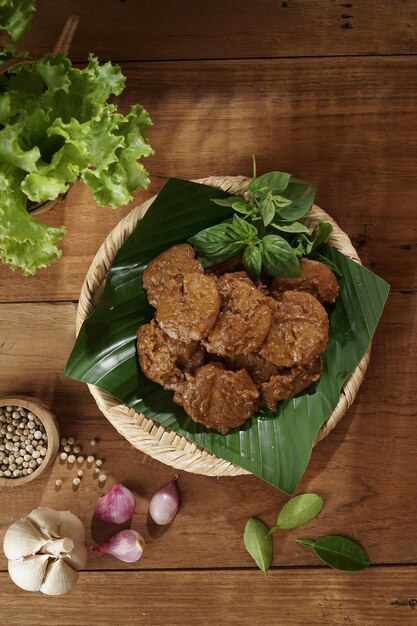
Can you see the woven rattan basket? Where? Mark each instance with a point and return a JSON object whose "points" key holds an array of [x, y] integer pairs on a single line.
{"points": [[147, 435]]}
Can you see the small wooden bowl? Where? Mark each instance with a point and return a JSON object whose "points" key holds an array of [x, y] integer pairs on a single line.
{"points": [[49, 420]]}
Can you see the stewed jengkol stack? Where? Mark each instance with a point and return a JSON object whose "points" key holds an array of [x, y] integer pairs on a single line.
{"points": [[226, 346]]}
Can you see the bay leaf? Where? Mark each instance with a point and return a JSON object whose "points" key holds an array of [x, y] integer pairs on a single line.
{"points": [[299, 510], [339, 552], [258, 543]]}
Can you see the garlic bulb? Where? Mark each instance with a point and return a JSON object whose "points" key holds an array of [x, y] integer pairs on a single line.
{"points": [[45, 550]]}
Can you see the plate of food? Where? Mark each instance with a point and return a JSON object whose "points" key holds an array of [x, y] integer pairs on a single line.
{"points": [[225, 325]]}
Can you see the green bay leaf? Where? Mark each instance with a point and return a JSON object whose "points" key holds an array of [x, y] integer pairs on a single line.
{"points": [[299, 510], [339, 553], [258, 543]]}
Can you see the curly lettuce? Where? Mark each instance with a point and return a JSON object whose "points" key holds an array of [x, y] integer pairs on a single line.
{"points": [[56, 125], [16, 17]]}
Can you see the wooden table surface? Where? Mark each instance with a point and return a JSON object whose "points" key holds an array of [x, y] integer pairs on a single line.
{"points": [[323, 89]]}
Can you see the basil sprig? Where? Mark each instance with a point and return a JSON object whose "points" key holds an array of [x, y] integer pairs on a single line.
{"points": [[267, 231]]}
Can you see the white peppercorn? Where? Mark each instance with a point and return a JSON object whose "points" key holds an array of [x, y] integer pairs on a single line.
{"points": [[23, 441], [71, 440], [76, 482], [67, 448], [71, 458]]}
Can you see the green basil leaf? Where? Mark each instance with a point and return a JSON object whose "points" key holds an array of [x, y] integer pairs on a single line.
{"points": [[243, 229], [322, 233], [258, 543], [316, 256], [216, 244], [210, 239], [339, 552], [278, 258], [280, 201], [296, 227], [268, 211], [226, 201], [274, 182], [252, 261], [302, 195], [299, 510], [241, 207]]}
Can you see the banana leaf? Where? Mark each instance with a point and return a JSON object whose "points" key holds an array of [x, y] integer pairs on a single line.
{"points": [[274, 445]]}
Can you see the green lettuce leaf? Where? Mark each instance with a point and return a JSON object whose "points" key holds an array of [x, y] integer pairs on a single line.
{"points": [[56, 125], [24, 241], [16, 17]]}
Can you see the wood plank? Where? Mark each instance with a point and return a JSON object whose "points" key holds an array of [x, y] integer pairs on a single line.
{"points": [[292, 597], [365, 469], [350, 128], [183, 29]]}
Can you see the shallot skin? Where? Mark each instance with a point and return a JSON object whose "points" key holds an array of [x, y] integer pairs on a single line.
{"points": [[164, 504], [116, 506], [126, 545]]}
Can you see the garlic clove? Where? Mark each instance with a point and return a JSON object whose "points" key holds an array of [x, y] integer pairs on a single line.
{"points": [[23, 539], [47, 520], [77, 559], [58, 547], [29, 573], [70, 526], [60, 578]]}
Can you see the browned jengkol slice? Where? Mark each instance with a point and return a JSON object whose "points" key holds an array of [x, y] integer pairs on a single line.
{"points": [[299, 331], [173, 263], [188, 309], [286, 385], [218, 398], [316, 278], [244, 320], [163, 359], [260, 370]]}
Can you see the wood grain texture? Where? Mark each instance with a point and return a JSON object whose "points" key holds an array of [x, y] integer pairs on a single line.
{"points": [[365, 469], [349, 128], [185, 29], [294, 597]]}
